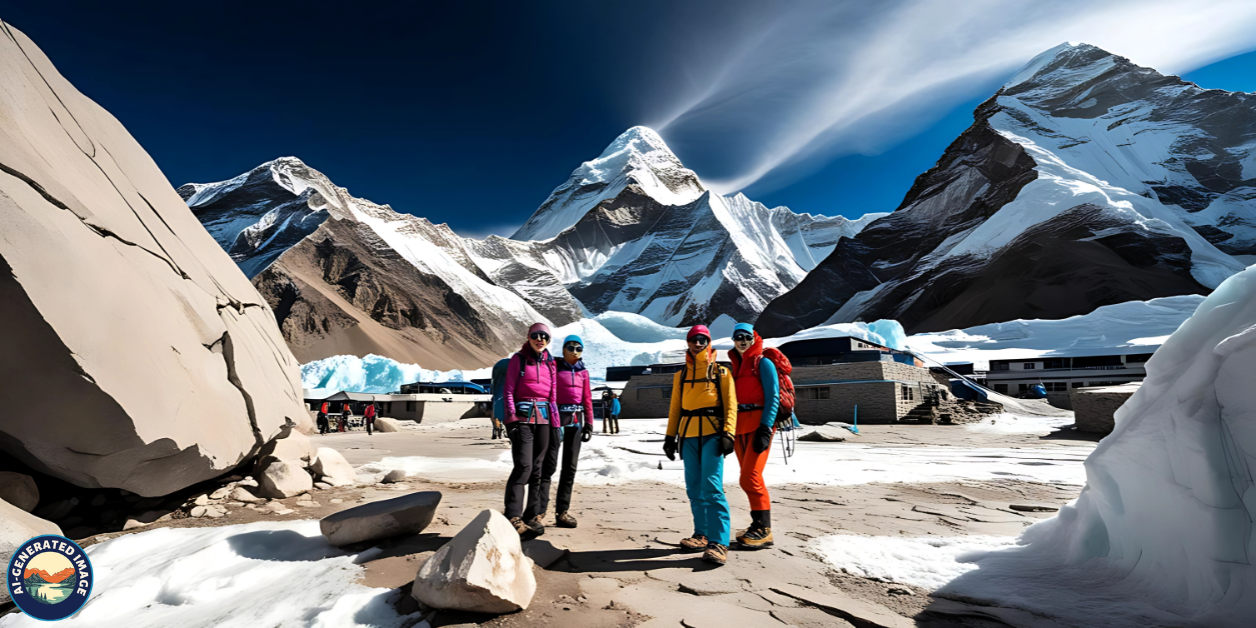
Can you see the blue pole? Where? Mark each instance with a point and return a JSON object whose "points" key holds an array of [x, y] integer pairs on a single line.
{"points": [[855, 429]]}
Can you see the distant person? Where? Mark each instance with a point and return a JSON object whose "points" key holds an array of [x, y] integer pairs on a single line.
{"points": [[531, 416], [368, 417], [700, 425], [345, 413], [323, 426], [614, 413], [610, 412], [758, 402], [575, 417]]}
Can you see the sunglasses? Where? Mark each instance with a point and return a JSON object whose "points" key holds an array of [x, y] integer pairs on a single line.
{"points": [[540, 336], [701, 341], [743, 337], [573, 347]]}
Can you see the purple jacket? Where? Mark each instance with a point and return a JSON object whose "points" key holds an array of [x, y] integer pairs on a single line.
{"points": [[539, 381], [573, 387]]}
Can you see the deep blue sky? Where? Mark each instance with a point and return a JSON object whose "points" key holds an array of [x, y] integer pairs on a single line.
{"points": [[465, 114]]}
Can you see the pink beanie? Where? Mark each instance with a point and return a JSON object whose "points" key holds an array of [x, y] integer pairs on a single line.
{"points": [[541, 327], [698, 330]]}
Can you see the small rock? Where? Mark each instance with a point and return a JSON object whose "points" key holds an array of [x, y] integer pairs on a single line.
{"points": [[1032, 508], [248, 481], [482, 569], [201, 500], [16, 527], [282, 478], [215, 514], [825, 434], [220, 493], [333, 468], [199, 511], [394, 476], [899, 592], [285, 511], [309, 504], [131, 524], [337, 501], [241, 494], [322, 486], [234, 504], [408, 514]]}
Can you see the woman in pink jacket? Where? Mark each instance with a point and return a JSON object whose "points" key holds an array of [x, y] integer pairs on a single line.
{"points": [[575, 412], [531, 386]]}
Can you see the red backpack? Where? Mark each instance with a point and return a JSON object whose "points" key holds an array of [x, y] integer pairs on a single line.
{"points": [[783, 369]]}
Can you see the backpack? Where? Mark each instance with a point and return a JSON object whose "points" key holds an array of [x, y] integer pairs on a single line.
{"points": [[499, 389], [783, 369]]}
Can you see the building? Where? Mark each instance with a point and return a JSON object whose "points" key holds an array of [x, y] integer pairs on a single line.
{"points": [[417, 407], [1095, 408], [446, 388], [881, 384], [1061, 372]]}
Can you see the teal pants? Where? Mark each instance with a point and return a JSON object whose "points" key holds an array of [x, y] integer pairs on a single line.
{"points": [[704, 482]]}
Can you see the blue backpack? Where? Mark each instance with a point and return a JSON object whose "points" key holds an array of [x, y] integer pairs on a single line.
{"points": [[499, 389]]}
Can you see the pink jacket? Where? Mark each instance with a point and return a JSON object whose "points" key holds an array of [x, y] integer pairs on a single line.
{"points": [[573, 387], [539, 381]]}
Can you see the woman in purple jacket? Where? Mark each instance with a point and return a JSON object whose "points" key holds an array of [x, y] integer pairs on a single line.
{"points": [[575, 412], [531, 382]]}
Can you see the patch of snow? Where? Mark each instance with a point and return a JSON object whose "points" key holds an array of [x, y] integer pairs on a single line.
{"points": [[1015, 423], [928, 562], [274, 573]]}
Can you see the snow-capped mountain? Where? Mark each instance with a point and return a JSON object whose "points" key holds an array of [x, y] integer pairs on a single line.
{"points": [[632, 231], [347, 276], [1085, 181]]}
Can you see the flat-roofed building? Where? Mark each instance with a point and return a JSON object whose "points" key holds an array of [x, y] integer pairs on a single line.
{"points": [[1060, 372]]}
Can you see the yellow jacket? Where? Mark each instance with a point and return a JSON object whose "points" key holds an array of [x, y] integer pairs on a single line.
{"points": [[697, 392]]}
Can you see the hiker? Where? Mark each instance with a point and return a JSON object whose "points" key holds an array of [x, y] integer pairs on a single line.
{"points": [[614, 410], [368, 417], [323, 409], [700, 425], [758, 402], [345, 412], [531, 414], [575, 412]]}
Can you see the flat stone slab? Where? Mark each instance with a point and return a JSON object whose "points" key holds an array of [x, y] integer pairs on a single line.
{"points": [[825, 434], [408, 514], [834, 602]]}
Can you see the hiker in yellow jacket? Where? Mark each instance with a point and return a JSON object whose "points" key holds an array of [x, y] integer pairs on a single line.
{"points": [[700, 425]]}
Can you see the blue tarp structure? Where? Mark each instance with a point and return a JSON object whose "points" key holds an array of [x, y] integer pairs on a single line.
{"points": [[964, 389], [1037, 391]]}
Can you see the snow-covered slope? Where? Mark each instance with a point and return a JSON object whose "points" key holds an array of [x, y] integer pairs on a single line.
{"points": [[1162, 533], [1085, 181]]}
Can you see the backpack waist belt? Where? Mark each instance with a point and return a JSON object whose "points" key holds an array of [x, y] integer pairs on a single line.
{"points": [[708, 412], [748, 407], [570, 407]]}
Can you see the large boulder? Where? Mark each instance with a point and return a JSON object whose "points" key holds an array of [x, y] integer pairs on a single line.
{"points": [[333, 468], [16, 527], [408, 514], [156, 363], [19, 489], [284, 478], [483, 569], [385, 424]]}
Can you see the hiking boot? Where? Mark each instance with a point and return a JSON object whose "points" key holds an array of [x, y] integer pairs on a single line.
{"points": [[565, 520], [537, 526], [755, 538], [520, 527], [716, 554], [695, 543]]}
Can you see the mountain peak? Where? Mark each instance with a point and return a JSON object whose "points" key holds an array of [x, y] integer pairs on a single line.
{"points": [[638, 139], [1070, 55]]}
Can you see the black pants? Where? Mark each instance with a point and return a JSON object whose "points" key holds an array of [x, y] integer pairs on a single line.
{"points": [[370, 422], [568, 438], [529, 442], [322, 423]]}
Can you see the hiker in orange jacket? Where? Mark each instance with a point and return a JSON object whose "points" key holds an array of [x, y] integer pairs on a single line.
{"points": [[758, 400]]}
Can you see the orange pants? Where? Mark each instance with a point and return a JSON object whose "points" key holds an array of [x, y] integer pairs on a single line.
{"points": [[752, 463]]}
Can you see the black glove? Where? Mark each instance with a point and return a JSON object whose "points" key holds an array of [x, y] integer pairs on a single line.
{"points": [[669, 447], [726, 443], [586, 433], [763, 438]]}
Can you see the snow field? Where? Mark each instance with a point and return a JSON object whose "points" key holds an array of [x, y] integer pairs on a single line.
{"points": [[280, 573], [928, 562]]}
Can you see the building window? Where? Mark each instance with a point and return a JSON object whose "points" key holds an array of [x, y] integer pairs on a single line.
{"points": [[1028, 366], [1107, 383], [999, 366], [908, 393], [1078, 384], [815, 393], [1056, 386], [1056, 363], [1023, 387], [1137, 358], [1000, 388]]}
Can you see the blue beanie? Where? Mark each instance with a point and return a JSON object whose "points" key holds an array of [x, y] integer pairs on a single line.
{"points": [[573, 338], [743, 327]]}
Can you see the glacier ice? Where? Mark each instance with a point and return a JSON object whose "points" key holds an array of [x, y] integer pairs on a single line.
{"points": [[374, 374], [1162, 533]]}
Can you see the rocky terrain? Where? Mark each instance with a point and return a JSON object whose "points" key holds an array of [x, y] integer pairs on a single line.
{"points": [[1085, 181]]}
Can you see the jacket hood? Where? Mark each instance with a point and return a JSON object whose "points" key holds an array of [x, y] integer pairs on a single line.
{"points": [[755, 350], [577, 367]]}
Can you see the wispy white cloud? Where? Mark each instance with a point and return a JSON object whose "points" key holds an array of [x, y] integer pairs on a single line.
{"points": [[822, 79]]}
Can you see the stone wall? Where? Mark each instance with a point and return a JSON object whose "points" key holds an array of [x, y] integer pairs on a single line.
{"points": [[646, 396], [1093, 408]]}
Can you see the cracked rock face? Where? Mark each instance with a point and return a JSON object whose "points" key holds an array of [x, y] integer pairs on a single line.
{"points": [[155, 362]]}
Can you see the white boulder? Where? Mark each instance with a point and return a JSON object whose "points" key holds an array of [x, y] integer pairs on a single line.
{"points": [[408, 514], [482, 569], [19, 489], [332, 468], [385, 424], [192, 376], [16, 527], [295, 447], [283, 478], [242, 494]]}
